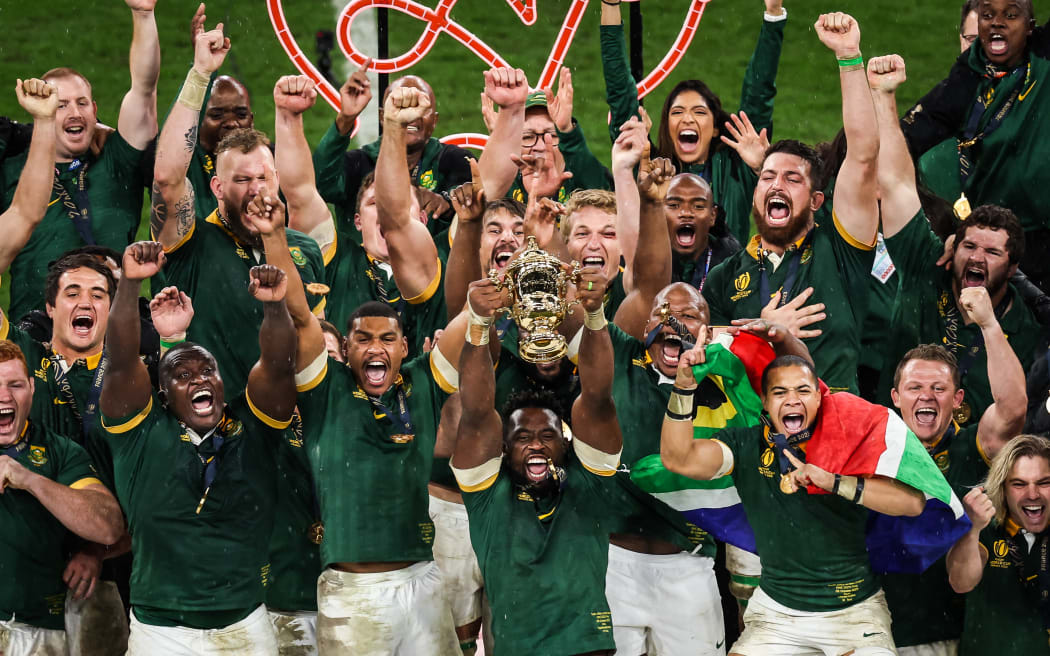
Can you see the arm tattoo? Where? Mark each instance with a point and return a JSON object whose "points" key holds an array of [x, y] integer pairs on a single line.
{"points": [[185, 213], [158, 212], [191, 138]]}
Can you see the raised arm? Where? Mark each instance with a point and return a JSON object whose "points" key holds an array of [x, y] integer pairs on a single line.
{"points": [[480, 429], [464, 260], [1004, 419], [593, 412], [759, 86], [90, 511], [621, 92], [680, 453], [651, 269], [413, 256], [29, 203], [899, 195], [508, 89], [266, 215], [271, 382], [137, 121], [126, 386], [856, 189], [172, 215], [292, 96], [966, 559], [630, 147]]}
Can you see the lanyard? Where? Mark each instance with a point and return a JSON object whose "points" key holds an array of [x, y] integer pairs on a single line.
{"points": [[78, 207], [209, 450], [87, 418], [971, 137], [16, 448], [699, 281], [789, 282]]}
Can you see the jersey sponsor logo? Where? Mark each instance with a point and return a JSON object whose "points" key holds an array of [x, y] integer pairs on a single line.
{"points": [[427, 180], [241, 254], [297, 256], [868, 635], [37, 455], [767, 459], [41, 373], [742, 282], [807, 254], [1024, 95], [59, 402], [942, 460]]}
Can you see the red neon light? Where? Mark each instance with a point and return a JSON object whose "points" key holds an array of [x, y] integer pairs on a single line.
{"points": [[438, 21]]}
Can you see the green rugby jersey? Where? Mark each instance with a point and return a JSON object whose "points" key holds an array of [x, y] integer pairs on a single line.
{"points": [[198, 565], [924, 606], [60, 399], [212, 267], [32, 551], [830, 261], [371, 477], [295, 560], [544, 562], [1000, 616], [732, 181], [924, 310], [813, 550], [354, 277], [114, 189]]}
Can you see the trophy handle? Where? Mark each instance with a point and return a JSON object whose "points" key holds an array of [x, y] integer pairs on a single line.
{"points": [[574, 277], [494, 278]]}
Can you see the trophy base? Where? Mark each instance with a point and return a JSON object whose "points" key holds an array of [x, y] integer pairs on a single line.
{"points": [[541, 351]]}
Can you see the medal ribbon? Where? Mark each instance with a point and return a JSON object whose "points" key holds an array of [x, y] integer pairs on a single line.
{"points": [[402, 419], [698, 281], [789, 282], [87, 418], [78, 206], [782, 442]]}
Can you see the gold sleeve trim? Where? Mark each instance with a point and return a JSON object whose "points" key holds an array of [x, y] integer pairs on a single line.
{"points": [[477, 478], [85, 482], [312, 375], [265, 418], [595, 460], [445, 374], [427, 293], [980, 450], [5, 327], [850, 239], [131, 423], [179, 244], [318, 309]]}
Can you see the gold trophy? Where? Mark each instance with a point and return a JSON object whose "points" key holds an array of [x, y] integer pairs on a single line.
{"points": [[538, 286]]}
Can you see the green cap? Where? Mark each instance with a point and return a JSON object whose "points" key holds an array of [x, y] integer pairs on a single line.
{"points": [[536, 99]]}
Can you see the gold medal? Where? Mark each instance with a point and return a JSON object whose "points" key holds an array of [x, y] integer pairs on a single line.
{"points": [[786, 484], [962, 413], [962, 207], [316, 532]]}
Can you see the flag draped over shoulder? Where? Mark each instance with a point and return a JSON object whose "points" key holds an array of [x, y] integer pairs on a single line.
{"points": [[852, 437]]}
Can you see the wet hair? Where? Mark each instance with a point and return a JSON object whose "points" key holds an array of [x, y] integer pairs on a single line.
{"points": [[509, 205], [75, 260], [65, 71], [999, 471], [664, 139], [531, 398], [374, 309], [10, 351], [366, 184], [179, 352], [806, 152], [933, 353], [783, 362], [601, 199], [244, 140], [993, 217]]}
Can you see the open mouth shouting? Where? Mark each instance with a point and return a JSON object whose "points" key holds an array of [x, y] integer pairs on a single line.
{"points": [[974, 275], [7, 420], [596, 261], [501, 255], [794, 422], [375, 372], [685, 235], [688, 140], [537, 467], [203, 402], [997, 44], [778, 211], [669, 351], [1034, 514], [926, 417], [74, 129], [82, 324]]}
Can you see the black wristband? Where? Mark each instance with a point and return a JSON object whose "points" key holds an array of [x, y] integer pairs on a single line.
{"points": [[684, 392], [677, 416], [835, 487], [860, 490], [611, 4]]}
